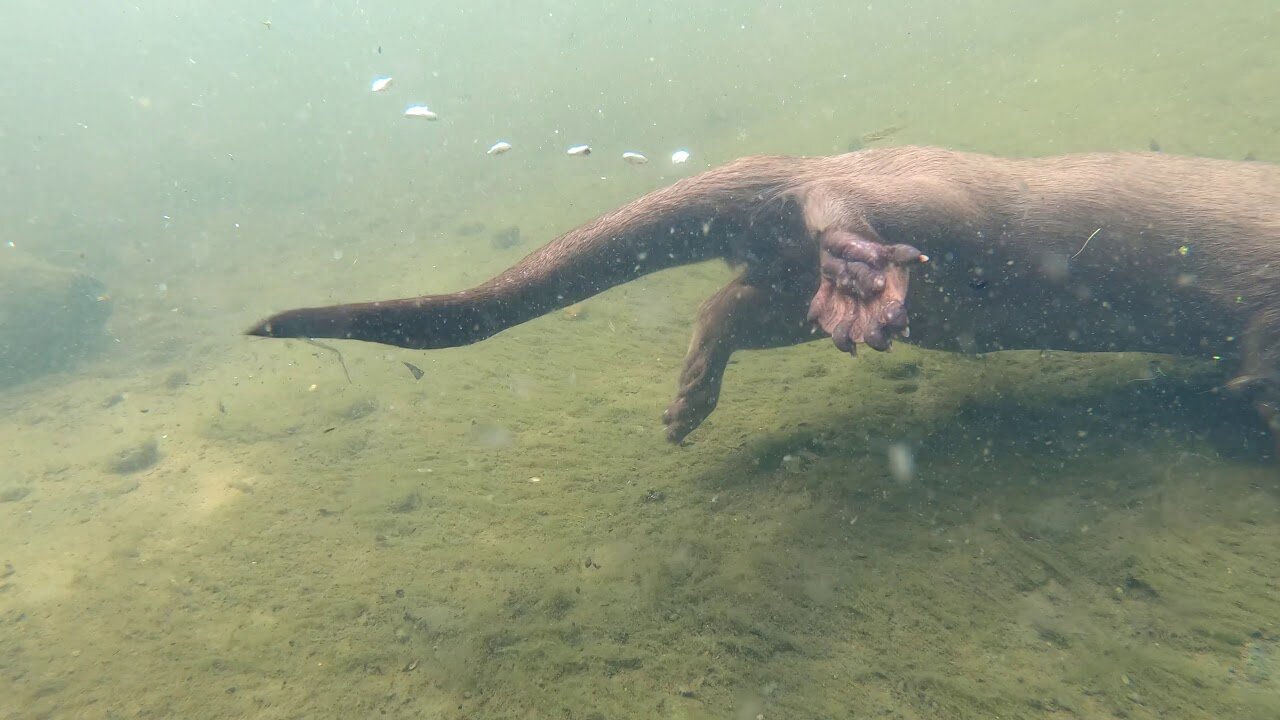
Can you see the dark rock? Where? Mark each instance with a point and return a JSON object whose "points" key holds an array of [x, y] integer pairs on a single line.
{"points": [[136, 459], [50, 317], [507, 237], [14, 494]]}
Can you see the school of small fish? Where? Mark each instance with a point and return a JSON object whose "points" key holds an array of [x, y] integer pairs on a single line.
{"points": [[383, 84]]}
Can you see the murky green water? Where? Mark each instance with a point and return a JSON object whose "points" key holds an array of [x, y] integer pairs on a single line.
{"points": [[198, 524]]}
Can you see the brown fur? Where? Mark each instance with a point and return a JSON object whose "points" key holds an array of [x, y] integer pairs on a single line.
{"points": [[1182, 256]]}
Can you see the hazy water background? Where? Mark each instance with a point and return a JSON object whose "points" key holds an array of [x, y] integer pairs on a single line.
{"points": [[1077, 540]]}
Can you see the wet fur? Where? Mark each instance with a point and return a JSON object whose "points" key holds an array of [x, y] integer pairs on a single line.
{"points": [[1182, 257]]}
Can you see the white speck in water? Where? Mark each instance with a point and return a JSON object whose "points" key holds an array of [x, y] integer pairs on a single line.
{"points": [[679, 157], [420, 111], [902, 463], [337, 254]]}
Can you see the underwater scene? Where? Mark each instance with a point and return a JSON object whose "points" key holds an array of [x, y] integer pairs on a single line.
{"points": [[598, 472]]}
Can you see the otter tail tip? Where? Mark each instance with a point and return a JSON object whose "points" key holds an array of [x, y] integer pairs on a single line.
{"points": [[261, 329]]}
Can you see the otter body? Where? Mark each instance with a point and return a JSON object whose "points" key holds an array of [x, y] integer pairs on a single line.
{"points": [[1087, 252]]}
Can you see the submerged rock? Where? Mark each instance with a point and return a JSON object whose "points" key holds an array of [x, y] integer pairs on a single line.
{"points": [[507, 237], [51, 318], [135, 459]]}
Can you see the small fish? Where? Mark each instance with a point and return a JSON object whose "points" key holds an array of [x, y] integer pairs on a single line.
{"points": [[679, 157], [635, 158], [379, 49], [883, 133], [499, 147], [380, 84], [582, 150], [420, 111], [266, 23], [417, 371]]}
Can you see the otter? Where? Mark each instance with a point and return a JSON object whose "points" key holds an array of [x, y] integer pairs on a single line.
{"points": [[958, 251]]}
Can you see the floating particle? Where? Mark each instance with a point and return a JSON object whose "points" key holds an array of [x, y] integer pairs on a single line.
{"points": [[635, 158], [499, 147], [679, 157], [583, 150], [902, 463], [380, 84], [420, 111]]}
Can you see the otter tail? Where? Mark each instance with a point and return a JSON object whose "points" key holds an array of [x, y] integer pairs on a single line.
{"points": [[698, 218]]}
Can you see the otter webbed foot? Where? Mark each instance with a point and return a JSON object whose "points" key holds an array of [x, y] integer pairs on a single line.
{"points": [[692, 405], [862, 293]]}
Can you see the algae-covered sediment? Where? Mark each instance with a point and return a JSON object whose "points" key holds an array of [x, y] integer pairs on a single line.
{"points": [[1080, 536]]}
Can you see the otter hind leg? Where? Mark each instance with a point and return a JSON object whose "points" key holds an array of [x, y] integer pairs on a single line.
{"points": [[744, 315]]}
